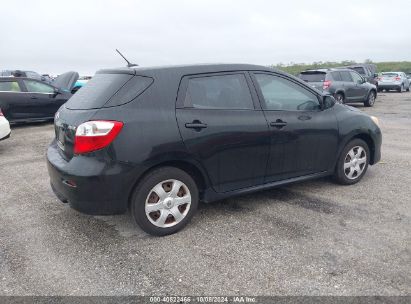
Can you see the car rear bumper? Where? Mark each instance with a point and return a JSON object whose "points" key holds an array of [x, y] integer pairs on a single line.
{"points": [[88, 184], [389, 86]]}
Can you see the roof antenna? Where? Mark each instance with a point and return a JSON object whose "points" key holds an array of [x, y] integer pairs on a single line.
{"points": [[129, 64]]}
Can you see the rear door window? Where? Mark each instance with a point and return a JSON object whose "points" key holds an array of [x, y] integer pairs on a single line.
{"points": [[312, 77], [9, 86], [219, 92], [345, 75], [105, 90], [336, 76]]}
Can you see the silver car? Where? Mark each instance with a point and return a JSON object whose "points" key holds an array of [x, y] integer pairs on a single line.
{"points": [[393, 81]]}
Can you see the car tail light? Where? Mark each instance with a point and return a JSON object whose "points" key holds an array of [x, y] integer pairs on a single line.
{"points": [[95, 135], [397, 78], [1, 113], [326, 84]]}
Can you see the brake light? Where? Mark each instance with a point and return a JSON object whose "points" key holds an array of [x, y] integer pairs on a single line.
{"points": [[326, 84], [397, 78], [1, 113], [95, 135]]}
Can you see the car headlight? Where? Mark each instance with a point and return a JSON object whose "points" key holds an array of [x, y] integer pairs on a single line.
{"points": [[375, 120]]}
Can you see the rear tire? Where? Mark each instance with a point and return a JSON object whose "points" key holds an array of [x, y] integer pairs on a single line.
{"points": [[400, 89], [352, 163], [369, 102], [339, 98], [164, 201], [408, 89]]}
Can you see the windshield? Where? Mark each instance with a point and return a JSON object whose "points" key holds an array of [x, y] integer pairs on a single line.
{"points": [[312, 76], [389, 74], [359, 70]]}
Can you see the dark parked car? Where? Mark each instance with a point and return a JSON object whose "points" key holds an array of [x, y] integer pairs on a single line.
{"points": [[26, 99], [159, 140], [345, 85], [26, 74], [367, 71]]}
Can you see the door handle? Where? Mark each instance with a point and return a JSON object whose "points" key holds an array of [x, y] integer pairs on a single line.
{"points": [[278, 124], [196, 125], [33, 97]]}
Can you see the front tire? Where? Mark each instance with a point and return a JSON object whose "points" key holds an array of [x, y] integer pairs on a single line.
{"points": [[164, 201], [369, 102], [352, 163]]}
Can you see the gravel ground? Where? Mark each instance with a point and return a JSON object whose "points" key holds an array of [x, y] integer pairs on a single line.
{"points": [[312, 238]]}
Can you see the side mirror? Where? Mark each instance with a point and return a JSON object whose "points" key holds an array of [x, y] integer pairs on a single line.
{"points": [[328, 102], [56, 92], [375, 75]]}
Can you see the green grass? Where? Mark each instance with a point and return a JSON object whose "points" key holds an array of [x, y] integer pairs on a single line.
{"points": [[296, 68]]}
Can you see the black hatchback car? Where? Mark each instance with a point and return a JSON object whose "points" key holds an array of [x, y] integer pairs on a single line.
{"points": [[159, 140]]}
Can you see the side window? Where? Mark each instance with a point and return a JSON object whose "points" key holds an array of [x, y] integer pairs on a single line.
{"points": [[284, 95], [345, 75], [9, 86], [38, 87], [357, 78], [336, 76], [219, 92]]}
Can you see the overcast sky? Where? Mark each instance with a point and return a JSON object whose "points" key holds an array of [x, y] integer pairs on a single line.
{"points": [[52, 36]]}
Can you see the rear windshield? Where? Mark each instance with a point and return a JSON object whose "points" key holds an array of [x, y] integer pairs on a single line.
{"points": [[390, 74], [107, 90], [359, 70], [312, 77]]}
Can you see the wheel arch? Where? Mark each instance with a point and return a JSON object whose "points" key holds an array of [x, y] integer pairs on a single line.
{"points": [[199, 176], [365, 137]]}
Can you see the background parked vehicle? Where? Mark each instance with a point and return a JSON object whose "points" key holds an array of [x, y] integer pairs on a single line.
{"points": [[394, 81], [368, 71], [158, 140], [80, 83], [4, 127], [26, 99], [345, 85], [26, 74]]}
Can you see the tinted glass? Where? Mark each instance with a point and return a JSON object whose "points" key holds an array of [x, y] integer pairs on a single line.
{"points": [[345, 75], [282, 94], [38, 87], [336, 76], [9, 86], [97, 91], [312, 77], [134, 87], [219, 92], [390, 74], [357, 78], [359, 70]]}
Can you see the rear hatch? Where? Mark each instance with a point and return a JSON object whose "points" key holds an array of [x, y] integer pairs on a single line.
{"points": [[105, 90], [314, 78], [389, 77]]}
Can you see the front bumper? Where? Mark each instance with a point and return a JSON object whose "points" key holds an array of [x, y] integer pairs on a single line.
{"points": [[91, 185]]}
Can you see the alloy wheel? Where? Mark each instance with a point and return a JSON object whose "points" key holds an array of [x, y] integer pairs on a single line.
{"points": [[168, 203], [355, 162]]}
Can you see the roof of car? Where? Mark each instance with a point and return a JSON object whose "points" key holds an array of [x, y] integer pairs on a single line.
{"points": [[189, 69], [326, 70]]}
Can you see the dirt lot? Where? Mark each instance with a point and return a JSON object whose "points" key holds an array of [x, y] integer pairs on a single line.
{"points": [[313, 238]]}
